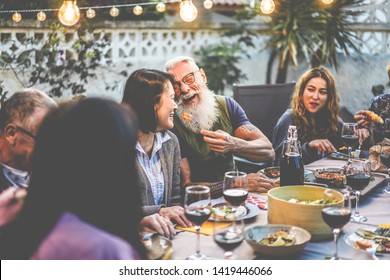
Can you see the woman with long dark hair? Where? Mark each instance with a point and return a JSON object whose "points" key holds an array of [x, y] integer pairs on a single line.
{"points": [[150, 94], [315, 113], [83, 201]]}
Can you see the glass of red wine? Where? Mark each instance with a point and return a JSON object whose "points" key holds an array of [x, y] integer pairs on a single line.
{"points": [[336, 216], [235, 188], [228, 235], [350, 136], [358, 172], [197, 209], [385, 159]]}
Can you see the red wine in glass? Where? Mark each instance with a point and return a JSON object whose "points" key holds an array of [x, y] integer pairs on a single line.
{"points": [[228, 240], [336, 217], [198, 216], [235, 196], [350, 140], [358, 181]]}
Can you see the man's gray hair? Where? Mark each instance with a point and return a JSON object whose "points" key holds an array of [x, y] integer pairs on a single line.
{"points": [[176, 60], [22, 105]]}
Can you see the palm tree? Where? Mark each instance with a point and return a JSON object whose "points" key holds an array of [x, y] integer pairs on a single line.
{"points": [[308, 29]]}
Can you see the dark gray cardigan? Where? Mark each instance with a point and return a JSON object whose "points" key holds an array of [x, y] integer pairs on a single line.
{"points": [[170, 164]]}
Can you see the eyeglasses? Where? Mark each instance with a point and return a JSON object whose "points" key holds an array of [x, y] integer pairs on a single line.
{"points": [[25, 131], [188, 79]]}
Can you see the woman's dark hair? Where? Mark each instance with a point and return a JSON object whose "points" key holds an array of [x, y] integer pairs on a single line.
{"points": [[142, 92], [83, 163]]}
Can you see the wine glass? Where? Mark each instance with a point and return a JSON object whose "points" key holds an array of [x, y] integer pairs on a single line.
{"points": [[235, 188], [336, 216], [385, 159], [228, 237], [358, 176], [197, 209], [350, 136]]}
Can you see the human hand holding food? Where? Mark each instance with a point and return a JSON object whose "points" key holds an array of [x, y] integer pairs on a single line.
{"points": [[219, 141]]}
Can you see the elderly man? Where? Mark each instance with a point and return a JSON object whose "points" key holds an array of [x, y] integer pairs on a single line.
{"points": [[212, 129], [20, 117]]}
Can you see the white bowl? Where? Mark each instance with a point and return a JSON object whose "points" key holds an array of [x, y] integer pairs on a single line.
{"points": [[255, 233], [307, 216]]}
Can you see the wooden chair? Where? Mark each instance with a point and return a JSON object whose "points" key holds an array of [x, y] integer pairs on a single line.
{"points": [[263, 104]]}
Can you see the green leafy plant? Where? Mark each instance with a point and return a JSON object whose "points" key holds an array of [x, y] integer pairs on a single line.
{"points": [[311, 30], [44, 61]]}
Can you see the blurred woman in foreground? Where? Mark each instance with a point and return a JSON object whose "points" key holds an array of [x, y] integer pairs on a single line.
{"points": [[83, 201]]}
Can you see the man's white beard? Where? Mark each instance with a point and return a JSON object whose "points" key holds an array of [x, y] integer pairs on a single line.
{"points": [[205, 113]]}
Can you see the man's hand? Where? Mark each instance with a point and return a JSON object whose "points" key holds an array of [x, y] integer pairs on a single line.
{"points": [[175, 213], [259, 183], [159, 224], [322, 145], [11, 202], [219, 141]]}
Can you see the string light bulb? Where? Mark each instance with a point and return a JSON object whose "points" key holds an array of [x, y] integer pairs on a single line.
{"points": [[69, 13], [41, 16], [137, 10], [208, 4], [114, 12], [16, 17], [327, 1], [90, 13], [188, 11], [160, 7], [267, 6]]}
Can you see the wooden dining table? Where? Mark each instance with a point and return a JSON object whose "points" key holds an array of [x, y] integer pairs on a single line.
{"points": [[375, 205]]}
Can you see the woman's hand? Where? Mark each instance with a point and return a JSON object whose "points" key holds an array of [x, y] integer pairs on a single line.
{"points": [[259, 183], [364, 134], [322, 145], [159, 224], [175, 213]]}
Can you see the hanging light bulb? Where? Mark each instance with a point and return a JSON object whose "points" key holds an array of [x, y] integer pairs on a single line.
{"points": [[91, 13], [208, 4], [114, 12], [267, 6], [137, 10], [69, 13], [16, 17], [160, 7], [41, 16], [327, 1], [188, 11]]}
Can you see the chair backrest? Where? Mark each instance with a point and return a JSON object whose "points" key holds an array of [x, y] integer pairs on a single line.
{"points": [[264, 104]]}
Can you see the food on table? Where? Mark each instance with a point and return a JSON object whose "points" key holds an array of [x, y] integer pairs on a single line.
{"points": [[272, 172], [225, 212], [380, 236], [343, 148], [374, 117], [332, 177], [280, 238], [313, 202], [363, 244]]}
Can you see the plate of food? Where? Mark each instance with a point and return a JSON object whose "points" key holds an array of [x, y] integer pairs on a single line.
{"points": [[157, 247], [224, 212], [377, 241]]}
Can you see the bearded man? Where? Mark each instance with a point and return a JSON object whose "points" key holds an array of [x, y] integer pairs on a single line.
{"points": [[212, 128]]}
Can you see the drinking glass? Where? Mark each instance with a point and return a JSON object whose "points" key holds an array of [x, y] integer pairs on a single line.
{"points": [[197, 209], [385, 159], [235, 188], [229, 237], [350, 136], [358, 172], [336, 216]]}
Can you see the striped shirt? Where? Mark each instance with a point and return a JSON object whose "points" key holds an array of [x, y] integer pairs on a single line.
{"points": [[152, 166]]}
